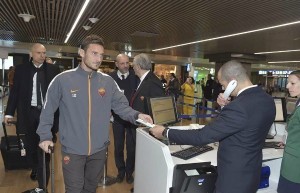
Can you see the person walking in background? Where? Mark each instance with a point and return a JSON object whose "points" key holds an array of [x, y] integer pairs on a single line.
{"points": [[27, 96], [188, 95], [208, 89], [163, 81], [217, 89], [128, 82], [10, 76], [202, 83], [289, 180], [150, 86], [173, 86], [85, 99], [240, 128]]}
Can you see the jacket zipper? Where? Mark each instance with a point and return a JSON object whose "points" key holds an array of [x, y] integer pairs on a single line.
{"points": [[89, 113]]}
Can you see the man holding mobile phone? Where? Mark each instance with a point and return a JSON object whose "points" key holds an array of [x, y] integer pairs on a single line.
{"points": [[240, 129]]}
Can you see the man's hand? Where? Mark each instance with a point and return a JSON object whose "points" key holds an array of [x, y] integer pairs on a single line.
{"points": [[45, 146], [222, 101], [157, 131], [146, 118], [7, 120]]}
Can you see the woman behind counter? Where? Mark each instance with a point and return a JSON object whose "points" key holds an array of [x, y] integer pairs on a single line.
{"points": [[289, 181]]}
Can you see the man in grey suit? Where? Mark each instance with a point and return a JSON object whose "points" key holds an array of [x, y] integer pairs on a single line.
{"points": [[240, 128]]}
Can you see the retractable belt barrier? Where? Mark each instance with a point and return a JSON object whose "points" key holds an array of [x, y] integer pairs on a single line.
{"points": [[182, 116], [198, 115], [189, 96], [200, 107], [196, 98]]}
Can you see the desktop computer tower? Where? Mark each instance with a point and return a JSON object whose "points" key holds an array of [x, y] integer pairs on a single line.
{"points": [[191, 178]]}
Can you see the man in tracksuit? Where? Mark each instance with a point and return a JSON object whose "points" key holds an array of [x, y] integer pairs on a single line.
{"points": [[85, 98]]}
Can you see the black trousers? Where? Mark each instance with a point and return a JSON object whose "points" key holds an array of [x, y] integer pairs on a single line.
{"points": [[287, 186], [122, 130], [33, 151]]}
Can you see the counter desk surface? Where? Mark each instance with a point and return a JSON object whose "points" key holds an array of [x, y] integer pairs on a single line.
{"points": [[154, 163]]}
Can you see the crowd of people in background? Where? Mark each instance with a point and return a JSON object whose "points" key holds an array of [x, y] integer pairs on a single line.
{"points": [[190, 94]]}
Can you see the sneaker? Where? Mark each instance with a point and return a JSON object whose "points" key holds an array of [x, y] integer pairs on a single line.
{"points": [[36, 190]]}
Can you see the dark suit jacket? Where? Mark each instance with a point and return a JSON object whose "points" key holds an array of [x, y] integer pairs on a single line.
{"points": [[174, 86], [21, 93], [241, 128], [150, 87], [133, 83]]}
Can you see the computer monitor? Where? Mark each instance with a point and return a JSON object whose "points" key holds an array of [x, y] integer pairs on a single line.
{"points": [[280, 116], [163, 110], [280, 105]]}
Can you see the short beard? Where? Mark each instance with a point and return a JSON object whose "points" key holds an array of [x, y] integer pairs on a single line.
{"points": [[90, 67]]}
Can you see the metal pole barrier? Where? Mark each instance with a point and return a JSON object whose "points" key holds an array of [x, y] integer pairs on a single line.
{"points": [[52, 170], [3, 56], [106, 180], [197, 112], [2, 92]]}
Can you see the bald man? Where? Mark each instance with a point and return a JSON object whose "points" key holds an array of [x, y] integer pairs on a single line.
{"points": [[240, 128], [27, 97], [127, 81]]}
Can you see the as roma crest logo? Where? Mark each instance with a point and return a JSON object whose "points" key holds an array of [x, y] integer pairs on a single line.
{"points": [[101, 91], [66, 160]]}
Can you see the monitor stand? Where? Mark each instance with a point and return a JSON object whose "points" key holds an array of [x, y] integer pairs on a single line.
{"points": [[270, 135]]}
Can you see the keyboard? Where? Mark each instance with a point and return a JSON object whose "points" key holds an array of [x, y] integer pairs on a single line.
{"points": [[271, 144], [191, 152]]}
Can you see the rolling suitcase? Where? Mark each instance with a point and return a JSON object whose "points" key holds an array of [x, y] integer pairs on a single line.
{"points": [[44, 190], [13, 151]]}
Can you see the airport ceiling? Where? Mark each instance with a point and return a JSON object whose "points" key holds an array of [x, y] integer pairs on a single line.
{"points": [[144, 25]]}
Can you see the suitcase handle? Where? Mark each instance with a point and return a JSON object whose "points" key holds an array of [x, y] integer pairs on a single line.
{"points": [[51, 148], [6, 136], [52, 169], [12, 122]]}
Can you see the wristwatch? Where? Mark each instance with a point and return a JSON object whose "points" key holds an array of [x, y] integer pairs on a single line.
{"points": [[164, 133]]}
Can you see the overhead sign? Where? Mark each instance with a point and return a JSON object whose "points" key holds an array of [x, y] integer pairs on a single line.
{"points": [[3, 54]]}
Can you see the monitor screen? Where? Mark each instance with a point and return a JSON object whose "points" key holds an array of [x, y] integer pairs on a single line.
{"points": [[163, 110], [280, 110]]}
